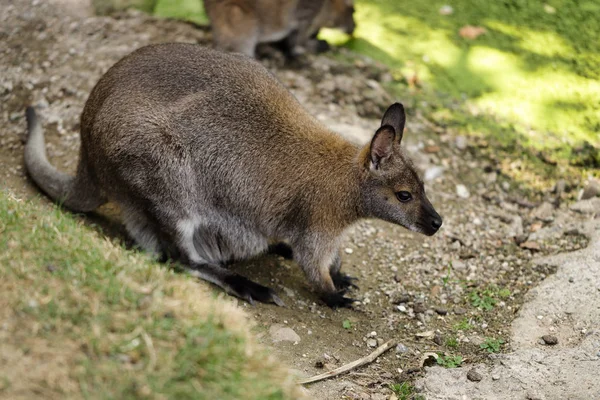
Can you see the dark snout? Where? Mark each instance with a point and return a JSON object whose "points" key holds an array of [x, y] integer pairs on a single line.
{"points": [[433, 222]]}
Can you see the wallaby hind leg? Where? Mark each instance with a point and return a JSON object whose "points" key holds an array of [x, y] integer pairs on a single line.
{"points": [[239, 34], [209, 270], [146, 234]]}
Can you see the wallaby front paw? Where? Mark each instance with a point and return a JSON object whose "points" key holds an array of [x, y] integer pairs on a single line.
{"points": [[337, 300], [247, 290], [343, 281]]}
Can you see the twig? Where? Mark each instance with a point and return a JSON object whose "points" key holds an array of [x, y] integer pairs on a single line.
{"points": [[350, 366]]}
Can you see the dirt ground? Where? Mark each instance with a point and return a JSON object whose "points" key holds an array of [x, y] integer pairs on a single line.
{"points": [[446, 294]]}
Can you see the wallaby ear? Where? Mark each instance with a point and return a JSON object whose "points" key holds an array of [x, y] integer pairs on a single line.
{"points": [[396, 118], [382, 145]]}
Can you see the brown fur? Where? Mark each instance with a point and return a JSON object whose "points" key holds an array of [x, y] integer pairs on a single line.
{"points": [[211, 159], [240, 25]]}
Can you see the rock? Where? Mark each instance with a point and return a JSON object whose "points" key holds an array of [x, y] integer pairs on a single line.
{"points": [[560, 187], [372, 342], [515, 229], [281, 333], [588, 206], [530, 245], [419, 308], [401, 348], [459, 311], [459, 265], [461, 142], [592, 189], [550, 340], [348, 250], [474, 376], [438, 339], [545, 212], [441, 310], [433, 173], [398, 298], [462, 191], [533, 395]]}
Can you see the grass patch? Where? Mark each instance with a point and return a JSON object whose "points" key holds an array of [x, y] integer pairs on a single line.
{"points": [[528, 82], [83, 317], [405, 391], [491, 345], [452, 342], [463, 325], [449, 361]]}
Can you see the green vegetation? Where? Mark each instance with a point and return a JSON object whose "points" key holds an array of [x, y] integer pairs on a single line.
{"points": [[452, 342], [492, 345], [83, 317], [449, 361], [187, 10], [463, 325], [346, 324], [405, 391], [528, 83], [486, 299], [483, 301]]}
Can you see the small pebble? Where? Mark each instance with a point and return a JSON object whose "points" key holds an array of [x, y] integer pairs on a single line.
{"points": [[372, 343], [441, 310], [474, 376], [550, 340], [401, 348], [459, 311], [348, 250]]}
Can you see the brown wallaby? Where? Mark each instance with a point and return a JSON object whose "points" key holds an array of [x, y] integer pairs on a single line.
{"points": [[211, 159], [239, 25]]}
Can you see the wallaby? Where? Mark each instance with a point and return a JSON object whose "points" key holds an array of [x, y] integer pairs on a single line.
{"points": [[211, 159], [240, 25]]}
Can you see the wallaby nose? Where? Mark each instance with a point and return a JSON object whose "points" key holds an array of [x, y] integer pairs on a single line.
{"points": [[436, 223]]}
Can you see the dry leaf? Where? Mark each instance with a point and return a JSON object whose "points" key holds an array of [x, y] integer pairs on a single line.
{"points": [[426, 334], [471, 32], [531, 245]]}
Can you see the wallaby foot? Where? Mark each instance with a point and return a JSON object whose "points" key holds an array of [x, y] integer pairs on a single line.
{"points": [[235, 284], [337, 300], [246, 289], [317, 46], [343, 281], [281, 249], [340, 280]]}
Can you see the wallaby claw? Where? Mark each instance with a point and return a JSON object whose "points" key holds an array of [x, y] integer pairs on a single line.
{"points": [[249, 291], [343, 281], [337, 300]]}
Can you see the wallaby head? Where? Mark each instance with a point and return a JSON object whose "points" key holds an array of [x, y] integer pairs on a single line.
{"points": [[342, 16], [391, 188]]}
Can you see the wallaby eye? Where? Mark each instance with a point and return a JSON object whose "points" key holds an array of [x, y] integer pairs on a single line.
{"points": [[404, 196]]}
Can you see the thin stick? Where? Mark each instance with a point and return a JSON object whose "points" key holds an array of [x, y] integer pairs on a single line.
{"points": [[350, 366]]}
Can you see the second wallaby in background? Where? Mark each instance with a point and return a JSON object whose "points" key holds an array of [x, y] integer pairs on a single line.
{"points": [[240, 25], [211, 159]]}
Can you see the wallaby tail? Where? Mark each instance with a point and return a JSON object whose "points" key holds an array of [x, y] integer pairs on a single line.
{"points": [[78, 193]]}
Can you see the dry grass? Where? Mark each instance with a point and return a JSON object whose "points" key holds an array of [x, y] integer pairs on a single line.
{"points": [[83, 317]]}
